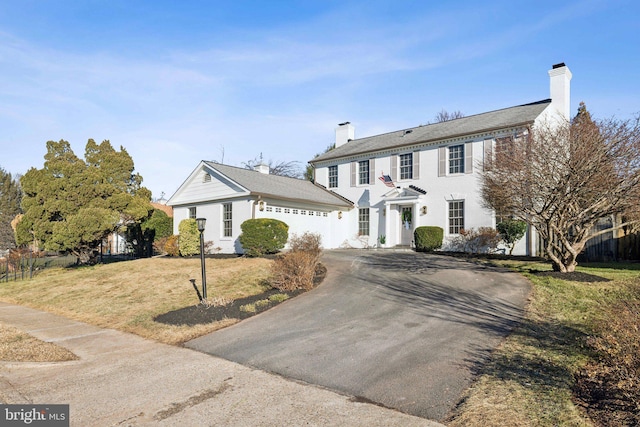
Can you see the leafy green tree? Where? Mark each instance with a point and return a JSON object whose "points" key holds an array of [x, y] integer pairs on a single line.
{"points": [[511, 231], [160, 223], [71, 205], [10, 195], [142, 235]]}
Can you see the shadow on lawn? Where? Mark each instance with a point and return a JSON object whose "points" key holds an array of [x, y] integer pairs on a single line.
{"points": [[200, 314]]}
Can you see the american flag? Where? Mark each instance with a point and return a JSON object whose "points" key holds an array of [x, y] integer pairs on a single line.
{"points": [[386, 179]]}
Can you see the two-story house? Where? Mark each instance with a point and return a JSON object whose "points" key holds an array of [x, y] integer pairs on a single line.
{"points": [[375, 191]]}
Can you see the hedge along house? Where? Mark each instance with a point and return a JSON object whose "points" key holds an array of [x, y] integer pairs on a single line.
{"points": [[227, 196], [426, 175], [429, 175]]}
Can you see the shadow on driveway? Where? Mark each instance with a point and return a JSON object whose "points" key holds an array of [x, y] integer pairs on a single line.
{"points": [[403, 329]]}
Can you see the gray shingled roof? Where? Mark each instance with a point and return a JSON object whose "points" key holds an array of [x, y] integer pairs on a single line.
{"points": [[280, 186], [479, 123]]}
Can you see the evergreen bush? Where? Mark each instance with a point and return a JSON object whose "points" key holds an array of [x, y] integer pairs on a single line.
{"points": [[189, 242], [263, 236], [511, 231], [428, 238]]}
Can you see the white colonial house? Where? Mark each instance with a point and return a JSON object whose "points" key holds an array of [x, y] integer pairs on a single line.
{"points": [[373, 191]]}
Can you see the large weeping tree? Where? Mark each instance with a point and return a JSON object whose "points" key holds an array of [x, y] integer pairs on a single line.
{"points": [[562, 178], [71, 205]]}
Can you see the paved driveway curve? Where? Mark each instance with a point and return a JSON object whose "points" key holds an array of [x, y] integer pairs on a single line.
{"points": [[403, 329]]}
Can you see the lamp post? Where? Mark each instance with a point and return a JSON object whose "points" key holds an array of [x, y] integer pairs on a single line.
{"points": [[201, 222]]}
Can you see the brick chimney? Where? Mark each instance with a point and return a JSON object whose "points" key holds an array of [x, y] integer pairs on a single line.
{"points": [[560, 88], [345, 132]]}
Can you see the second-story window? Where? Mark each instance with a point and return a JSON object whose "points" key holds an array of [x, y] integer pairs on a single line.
{"points": [[363, 172], [456, 159], [333, 176], [406, 166]]}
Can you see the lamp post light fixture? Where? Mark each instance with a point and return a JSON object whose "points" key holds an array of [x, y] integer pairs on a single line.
{"points": [[201, 222]]}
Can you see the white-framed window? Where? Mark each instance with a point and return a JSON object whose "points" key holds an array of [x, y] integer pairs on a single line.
{"points": [[295, 211], [278, 210], [333, 176], [227, 219], [456, 216], [325, 214], [303, 212], [363, 221], [192, 212], [287, 210], [363, 172], [456, 159], [406, 166], [269, 208]]}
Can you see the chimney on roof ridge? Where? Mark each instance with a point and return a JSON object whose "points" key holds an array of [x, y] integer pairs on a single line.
{"points": [[560, 89], [262, 167], [345, 132]]}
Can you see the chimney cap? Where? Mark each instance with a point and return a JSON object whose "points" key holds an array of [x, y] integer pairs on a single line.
{"points": [[345, 123], [560, 65]]}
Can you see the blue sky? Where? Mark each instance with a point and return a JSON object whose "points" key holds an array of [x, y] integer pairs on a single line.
{"points": [[179, 82]]}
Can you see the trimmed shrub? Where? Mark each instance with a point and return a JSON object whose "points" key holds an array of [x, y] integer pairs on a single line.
{"points": [[428, 238], [511, 231], [263, 236], [296, 269], [189, 242]]}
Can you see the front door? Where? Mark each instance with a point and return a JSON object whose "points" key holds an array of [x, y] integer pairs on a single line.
{"points": [[406, 225]]}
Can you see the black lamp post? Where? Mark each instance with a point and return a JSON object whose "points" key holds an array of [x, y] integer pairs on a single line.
{"points": [[201, 222]]}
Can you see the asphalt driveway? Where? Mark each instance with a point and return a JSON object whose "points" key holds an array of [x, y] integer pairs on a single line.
{"points": [[403, 329]]}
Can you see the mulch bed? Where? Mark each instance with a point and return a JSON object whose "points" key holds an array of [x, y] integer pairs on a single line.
{"points": [[200, 314], [574, 276]]}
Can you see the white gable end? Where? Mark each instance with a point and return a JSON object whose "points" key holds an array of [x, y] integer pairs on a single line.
{"points": [[203, 185]]}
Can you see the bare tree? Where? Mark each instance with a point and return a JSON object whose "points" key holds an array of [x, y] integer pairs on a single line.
{"points": [[563, 178], [445, 116], [291, 169]]}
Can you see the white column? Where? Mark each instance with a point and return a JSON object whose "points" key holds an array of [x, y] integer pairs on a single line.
{"points": [[387, 228]]}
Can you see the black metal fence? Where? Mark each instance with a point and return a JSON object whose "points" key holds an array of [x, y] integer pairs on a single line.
{"points": [[21, 266]]}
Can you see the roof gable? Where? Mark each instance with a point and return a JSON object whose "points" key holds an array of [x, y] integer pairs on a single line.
{"points": [[230, 181], [197, 188], [480, 123]]}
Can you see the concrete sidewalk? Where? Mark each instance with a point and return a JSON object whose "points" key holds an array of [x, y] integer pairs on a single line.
{"points": [[124, 380]]}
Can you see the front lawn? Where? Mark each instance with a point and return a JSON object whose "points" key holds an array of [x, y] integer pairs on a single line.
{"points": [[574, 361], [128, 295]]}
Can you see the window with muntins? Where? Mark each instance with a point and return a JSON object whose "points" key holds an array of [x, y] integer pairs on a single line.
{"points": [[363, 172], [456, 159], [406, 166], [192, 212], [227, 218], [363, 221], [456, 216], [333, 176]]}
